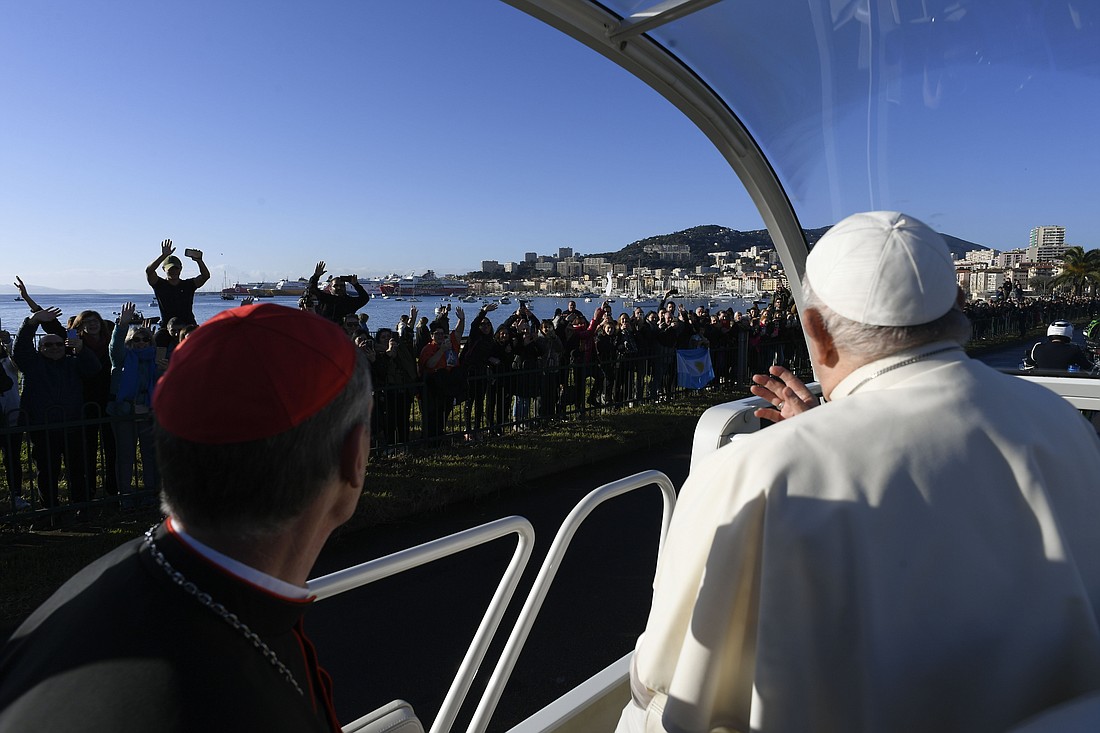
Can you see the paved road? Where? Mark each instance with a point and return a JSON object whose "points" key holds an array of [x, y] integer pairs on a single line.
{"points": [[1010, 357], [404, 637]]}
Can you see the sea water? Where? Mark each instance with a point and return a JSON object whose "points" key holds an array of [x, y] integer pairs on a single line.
{"points": [[382, 311]]}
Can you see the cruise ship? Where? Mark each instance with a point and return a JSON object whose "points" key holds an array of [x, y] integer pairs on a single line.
{"points": [[428, 284]]}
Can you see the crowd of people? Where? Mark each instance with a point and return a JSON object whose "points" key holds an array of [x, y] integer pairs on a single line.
{"points": [[88, 385], [530, 367]]}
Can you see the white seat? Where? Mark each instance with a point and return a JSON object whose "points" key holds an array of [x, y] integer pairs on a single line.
{"points": [[1080, 715], [396, 717]]}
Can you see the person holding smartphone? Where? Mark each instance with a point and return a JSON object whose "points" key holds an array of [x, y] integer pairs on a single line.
{"points": [[334, 302], [175, 296], [134, 373]]}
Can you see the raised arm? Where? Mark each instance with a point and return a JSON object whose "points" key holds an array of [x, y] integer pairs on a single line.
{"points": [[23, 352], [126, 316], [166, 249], [49, 325], [26, 296], [461, 321], [204, 271], [313, 287], [364, 296]]}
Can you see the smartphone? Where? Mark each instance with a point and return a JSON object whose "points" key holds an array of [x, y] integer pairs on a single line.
{"points": [[72, 333], [192, 253]]}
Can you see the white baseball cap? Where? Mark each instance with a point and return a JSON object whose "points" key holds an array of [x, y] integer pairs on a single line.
{"points": [[883, 268]]}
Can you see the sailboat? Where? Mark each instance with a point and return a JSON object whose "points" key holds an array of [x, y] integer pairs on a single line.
{"points": [[227, 292], [639, 300]]}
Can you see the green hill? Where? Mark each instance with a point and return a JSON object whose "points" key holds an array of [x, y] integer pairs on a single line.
{"points": [[702, 240]]}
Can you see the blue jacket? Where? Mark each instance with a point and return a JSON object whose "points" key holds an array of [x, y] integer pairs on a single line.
{"points": [[126, 370]]}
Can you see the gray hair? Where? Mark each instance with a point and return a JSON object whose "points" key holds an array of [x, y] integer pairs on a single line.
{"points": [[135, 330], [254, 489], [875, 342]]}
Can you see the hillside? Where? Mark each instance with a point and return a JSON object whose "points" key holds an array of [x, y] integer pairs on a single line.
{"points": [[702, 240]]}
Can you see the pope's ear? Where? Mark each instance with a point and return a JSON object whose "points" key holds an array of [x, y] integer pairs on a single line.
{"points": [[818, 339]]}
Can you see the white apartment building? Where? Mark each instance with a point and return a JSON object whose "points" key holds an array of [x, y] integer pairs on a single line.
{"points": [[569, 268], [985, 282], [669, 251], [980, 256], [1047, 243], [1012, 258]]}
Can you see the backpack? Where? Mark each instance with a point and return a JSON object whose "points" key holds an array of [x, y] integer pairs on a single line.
{"points": [[1092, 331]]}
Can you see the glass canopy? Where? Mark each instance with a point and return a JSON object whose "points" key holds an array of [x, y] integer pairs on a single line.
{"points": [[977, 116]]}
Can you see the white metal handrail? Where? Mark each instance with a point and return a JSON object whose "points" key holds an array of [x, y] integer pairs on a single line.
{"points": [[1081, 392], [549, 569], [398, 562]]}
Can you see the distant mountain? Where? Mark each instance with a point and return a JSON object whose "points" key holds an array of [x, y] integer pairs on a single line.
{"points": [[959, 247], [702, 240], [34, 290]]}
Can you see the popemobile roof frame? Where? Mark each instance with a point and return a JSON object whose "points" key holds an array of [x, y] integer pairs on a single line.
{"points": [[623, 41]]}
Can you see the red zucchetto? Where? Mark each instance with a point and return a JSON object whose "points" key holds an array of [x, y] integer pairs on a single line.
{"points": [[252, 372]]}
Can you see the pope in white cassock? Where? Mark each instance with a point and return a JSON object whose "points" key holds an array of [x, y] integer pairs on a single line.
{"points": [[919, 553]]}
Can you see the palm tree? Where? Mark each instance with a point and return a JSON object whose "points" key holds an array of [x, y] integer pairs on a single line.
{"points": [[1040, 283], [1079, 269]]}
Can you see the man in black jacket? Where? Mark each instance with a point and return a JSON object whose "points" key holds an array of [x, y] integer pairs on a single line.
{"points": [[1058, 353], [53, 399], [176, 296], [338, 303]]}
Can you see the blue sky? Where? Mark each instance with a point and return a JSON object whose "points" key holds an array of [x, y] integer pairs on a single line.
{"points": [[404, 135], [378, 136]]}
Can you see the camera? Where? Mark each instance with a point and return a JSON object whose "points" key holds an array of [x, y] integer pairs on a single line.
{"points": [[192, 253]]}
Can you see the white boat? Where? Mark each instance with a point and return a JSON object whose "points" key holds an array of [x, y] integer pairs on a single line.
{"points": [[608, 285]]}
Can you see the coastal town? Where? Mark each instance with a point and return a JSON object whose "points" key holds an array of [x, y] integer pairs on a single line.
{"points": [[677, 261]]}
